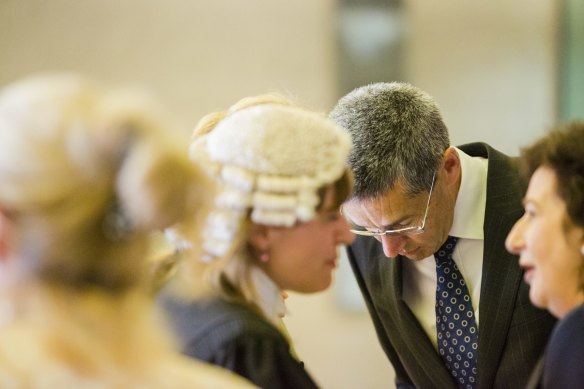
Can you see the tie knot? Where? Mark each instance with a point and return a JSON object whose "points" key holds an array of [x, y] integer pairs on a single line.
{"points": [[445, 251]]}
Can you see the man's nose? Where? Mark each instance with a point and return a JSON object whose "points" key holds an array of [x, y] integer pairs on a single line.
{"points": [[392, 244]]}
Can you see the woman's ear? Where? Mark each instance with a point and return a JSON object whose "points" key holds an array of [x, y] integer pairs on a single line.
{"points": [[4, 235], [259, 240], [259, 237]]}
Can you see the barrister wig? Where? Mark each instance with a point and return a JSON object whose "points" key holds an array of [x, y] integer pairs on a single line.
{"points": [[270, 162]]}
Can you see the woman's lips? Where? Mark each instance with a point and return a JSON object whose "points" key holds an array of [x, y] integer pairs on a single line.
{"points": [[528, 275]]}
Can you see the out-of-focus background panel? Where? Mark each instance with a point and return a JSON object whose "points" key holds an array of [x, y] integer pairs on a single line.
{"points": [[492, 67], [571, 58]]}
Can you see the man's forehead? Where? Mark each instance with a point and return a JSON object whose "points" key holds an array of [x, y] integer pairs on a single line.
{"points": [[391, 198], [386, 209]]}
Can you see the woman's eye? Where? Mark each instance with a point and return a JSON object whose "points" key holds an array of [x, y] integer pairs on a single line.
{"points": [[529, 212], [332, 216]]}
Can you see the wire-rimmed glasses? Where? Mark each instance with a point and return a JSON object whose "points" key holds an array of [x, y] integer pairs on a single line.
{"points": [[407, 230]]}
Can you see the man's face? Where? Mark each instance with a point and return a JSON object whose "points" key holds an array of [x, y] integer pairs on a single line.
{"points": [[396, 210]]}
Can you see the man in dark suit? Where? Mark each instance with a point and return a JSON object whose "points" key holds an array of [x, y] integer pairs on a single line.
{"points": [[413, 191]]}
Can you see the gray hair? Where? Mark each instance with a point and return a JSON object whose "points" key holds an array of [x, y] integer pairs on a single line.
{"points": [[398, 136]]}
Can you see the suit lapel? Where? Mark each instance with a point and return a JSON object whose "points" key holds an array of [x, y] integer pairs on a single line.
{"points": [[498, 293], [416, 351]]}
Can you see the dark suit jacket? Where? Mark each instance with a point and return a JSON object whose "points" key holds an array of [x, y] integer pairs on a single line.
{"points": [[512, 333], [564, 359], [233, 336]]}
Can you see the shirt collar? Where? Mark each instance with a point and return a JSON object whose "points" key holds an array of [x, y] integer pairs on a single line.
{"points": [[469, 211], [270, 301]]}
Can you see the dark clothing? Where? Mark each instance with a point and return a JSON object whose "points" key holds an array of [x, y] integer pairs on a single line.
{"points": [[235, 337], [512, 333], [564, 359]]}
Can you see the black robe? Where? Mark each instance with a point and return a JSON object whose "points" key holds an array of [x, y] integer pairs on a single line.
{"points": [[234, 336]]}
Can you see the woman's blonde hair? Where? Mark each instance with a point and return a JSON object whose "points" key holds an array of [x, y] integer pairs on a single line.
{"points": [[86, 174]]}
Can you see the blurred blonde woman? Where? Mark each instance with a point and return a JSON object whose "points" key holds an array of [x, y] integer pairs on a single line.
{"points": [[549, 239], [84, 180], [275, 226]]}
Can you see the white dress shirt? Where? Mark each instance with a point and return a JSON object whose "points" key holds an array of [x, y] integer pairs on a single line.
{"points": [[271, 301], [419, 277]]}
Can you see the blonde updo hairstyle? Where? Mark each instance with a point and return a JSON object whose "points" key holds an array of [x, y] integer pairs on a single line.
{"points": [[85, 176], [273, 163]]}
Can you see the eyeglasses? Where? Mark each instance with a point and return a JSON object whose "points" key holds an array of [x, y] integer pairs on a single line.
{"points": [[409, 230]]}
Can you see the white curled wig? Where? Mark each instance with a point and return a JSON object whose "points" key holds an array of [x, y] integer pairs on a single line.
{"points": [[270, 161]]}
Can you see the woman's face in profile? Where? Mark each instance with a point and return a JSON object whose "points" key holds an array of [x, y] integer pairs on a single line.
{"points": [[548, 245], [303, 257]]}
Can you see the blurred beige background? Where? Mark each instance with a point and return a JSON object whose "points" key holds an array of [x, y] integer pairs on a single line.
{"points": [[491, 66]]}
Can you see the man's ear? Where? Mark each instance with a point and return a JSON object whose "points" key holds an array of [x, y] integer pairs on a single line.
{"points": [[259, 237], [451, 165]]}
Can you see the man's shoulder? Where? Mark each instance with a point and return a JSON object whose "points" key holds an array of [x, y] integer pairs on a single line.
{"points": [[572, 323], [503, 169], [484, 150]]}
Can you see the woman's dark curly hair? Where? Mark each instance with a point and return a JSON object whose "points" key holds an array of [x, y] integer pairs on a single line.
{"points": [[562, 150]]}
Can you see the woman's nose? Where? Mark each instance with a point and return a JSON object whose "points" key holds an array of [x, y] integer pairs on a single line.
{"points": [[344, 235], [514, 242]]}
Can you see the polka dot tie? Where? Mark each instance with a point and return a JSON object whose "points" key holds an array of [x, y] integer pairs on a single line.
{"points": [[455, 321]]}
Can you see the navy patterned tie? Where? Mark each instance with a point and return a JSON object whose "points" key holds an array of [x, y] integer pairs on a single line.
{"points": [[455, 321]]}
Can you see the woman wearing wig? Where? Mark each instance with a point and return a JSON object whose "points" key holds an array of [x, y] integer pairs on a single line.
{"points": [[85, 176], [275, 226], [549, 239]]}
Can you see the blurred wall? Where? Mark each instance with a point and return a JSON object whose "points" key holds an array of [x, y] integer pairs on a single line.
{"points": [[197, 56], [491, 67], [572, 60]]}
